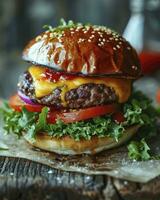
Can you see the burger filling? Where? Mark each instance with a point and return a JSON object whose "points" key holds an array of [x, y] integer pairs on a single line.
{"points": [[44, 86], [86, 95], [78, 106]]}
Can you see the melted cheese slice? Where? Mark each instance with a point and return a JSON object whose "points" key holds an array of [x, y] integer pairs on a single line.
{"points": [[44, 87]]}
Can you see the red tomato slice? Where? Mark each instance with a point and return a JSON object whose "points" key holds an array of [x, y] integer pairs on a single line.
{"points": [[68, 117], [16, 103], [118, 117], [87, 113]]}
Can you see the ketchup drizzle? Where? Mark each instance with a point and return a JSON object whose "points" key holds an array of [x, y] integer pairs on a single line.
{"points": [[55, 76]]}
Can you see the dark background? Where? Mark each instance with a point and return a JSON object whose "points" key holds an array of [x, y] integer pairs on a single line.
{"points": [[21, 20]]}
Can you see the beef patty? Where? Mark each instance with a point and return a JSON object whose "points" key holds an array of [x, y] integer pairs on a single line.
{"points": [[86, 95]]}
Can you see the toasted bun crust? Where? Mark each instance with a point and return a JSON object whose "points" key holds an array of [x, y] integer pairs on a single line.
{"points": [[69, 146], [90, 50]]}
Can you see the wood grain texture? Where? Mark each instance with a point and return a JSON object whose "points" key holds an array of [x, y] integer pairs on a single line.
{"points": [[24, 179]]}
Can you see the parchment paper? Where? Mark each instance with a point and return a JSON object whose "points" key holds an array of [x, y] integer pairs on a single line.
{"points": [[114, 162]]}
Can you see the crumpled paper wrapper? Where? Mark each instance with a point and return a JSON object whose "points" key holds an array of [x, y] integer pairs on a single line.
{"points": [[114, 162]]}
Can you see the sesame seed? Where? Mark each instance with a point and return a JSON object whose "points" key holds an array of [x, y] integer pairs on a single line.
{"points": [[80, 40], [118, 46], [89, 40], [45, 36], [92, 36], [129, 48], [114, 48], [51, 35]]}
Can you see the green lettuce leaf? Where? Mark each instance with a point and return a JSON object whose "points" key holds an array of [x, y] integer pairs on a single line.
{"points": [[139, 150]]}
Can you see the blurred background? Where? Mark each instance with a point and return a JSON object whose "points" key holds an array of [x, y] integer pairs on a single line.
{"points": [[21, 20]]}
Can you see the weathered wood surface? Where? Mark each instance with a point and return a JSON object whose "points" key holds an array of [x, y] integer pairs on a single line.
{"points": [[24, 179]]}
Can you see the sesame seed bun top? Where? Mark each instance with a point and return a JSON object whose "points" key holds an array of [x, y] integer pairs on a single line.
{"points": [[86, 49]]}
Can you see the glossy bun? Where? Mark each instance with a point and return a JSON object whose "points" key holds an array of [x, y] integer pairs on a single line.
{"points": [[68, 146], [90, 50]]}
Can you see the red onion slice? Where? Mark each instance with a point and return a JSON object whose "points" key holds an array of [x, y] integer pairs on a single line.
{"points": [[25, 98]]}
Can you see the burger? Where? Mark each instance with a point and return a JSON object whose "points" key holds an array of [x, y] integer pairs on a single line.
{"points": [[77, 94]]}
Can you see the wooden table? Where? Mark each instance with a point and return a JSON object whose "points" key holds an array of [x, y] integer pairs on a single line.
{"points": [[24, 179]]}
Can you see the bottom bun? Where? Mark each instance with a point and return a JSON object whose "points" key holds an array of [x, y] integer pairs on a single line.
{"points": [[68, 146]]}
